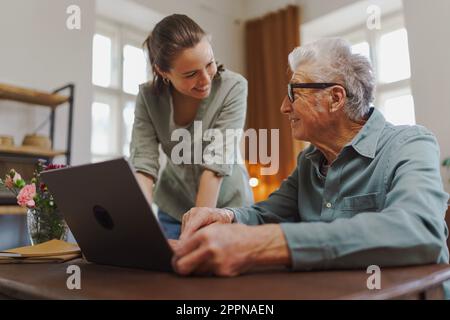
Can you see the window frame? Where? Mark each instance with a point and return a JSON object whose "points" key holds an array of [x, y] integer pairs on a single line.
{"points": [[120, 35]]}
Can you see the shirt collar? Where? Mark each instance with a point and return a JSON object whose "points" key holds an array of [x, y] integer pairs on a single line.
{"points": [[366, 140]]}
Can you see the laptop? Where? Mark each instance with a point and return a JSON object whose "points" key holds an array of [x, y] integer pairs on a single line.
{"points": [[109, 215]]}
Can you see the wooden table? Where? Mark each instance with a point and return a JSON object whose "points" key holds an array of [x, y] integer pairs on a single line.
{"points": [[48, 281]]}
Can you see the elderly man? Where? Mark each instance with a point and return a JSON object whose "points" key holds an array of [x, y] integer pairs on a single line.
{"points": [[365, 192]]}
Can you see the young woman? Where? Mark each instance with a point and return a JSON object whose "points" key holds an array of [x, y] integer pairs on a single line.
{"points": [[188, 91]]}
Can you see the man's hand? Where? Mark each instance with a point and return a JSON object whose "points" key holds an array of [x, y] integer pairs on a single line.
{"points": [[197, 218], [231, 249]]}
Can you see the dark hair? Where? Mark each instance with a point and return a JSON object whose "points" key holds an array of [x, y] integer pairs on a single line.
{"points": [[169, 38]]}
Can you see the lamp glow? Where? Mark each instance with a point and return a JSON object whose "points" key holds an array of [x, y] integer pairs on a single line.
{"points": [[253, 182]]}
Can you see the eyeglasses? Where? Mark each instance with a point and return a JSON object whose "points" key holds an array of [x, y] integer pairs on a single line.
{"points": [[292, 86]]}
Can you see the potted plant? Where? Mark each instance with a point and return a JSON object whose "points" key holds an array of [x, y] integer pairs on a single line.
{"points": [[44, 220]]}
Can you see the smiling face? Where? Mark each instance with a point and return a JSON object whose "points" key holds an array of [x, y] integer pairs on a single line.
{"points": [[309, 114], [193, 71]]}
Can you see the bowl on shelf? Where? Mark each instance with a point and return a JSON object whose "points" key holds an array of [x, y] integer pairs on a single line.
{"points": [[6, 141], [37, 141]]}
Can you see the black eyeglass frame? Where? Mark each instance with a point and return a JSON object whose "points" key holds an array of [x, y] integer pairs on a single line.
{"points": [[311, 85]]}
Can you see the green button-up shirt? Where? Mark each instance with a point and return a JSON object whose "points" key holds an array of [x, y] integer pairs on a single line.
{"points": [[381, 203]]}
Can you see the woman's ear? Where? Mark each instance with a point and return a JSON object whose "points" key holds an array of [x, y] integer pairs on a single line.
{"points": [[160, 73]]}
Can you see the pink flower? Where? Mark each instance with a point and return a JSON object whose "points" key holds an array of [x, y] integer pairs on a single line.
{"points": [[26, 195], [54, 166], [16, 177], [9, 183]]}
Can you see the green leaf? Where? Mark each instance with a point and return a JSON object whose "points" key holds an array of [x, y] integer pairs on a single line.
{"points": [[446, 163], [21, 183]]}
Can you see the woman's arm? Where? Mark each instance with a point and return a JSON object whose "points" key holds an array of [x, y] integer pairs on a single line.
{"points": [[144, 151], [208, 191], [146, 183]]}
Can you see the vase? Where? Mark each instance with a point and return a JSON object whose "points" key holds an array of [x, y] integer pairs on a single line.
{"points": [[45, 225]]}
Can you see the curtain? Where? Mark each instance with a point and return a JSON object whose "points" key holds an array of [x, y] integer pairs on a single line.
{"points": [[269, 40]]}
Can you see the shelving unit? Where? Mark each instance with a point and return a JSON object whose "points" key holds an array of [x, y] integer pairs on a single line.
{"points": [[28, 153], [12, 210], [9, 92]]}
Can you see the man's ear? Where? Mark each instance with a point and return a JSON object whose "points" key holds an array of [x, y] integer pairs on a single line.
{"points": [[337, 98]]}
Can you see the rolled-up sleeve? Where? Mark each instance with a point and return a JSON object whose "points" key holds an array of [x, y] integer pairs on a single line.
{"points": [[409, 230], [231, 116], [144, 152]]}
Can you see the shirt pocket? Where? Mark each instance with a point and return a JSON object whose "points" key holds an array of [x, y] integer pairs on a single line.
{"points": [[364, 202]]}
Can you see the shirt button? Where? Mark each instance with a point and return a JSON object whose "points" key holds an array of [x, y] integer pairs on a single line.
{"points": [[328, 205]]}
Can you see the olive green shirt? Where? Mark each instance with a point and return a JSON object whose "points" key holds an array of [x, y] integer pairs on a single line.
{"points": [[381, 202], [177, 185]]}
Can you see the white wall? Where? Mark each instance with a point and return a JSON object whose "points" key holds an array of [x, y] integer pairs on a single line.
{"points": [[38, 51], [129, 13], [428, 24]]}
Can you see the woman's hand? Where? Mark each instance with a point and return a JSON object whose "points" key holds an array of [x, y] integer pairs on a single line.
{"points": [[173, 243], [197, 218]]}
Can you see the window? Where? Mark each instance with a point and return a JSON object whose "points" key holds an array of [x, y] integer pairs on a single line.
{"points": [[362, 48], [101, 75], [128, 119], [394, 56], [399, 110], [388, 51], [134, 69], [101, 113], [119, 67]]}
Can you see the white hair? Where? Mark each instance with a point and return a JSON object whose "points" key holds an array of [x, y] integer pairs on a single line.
{"points": [[332, 60]]}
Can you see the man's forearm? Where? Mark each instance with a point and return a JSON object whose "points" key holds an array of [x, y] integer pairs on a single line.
{"points": [[271, 247]]}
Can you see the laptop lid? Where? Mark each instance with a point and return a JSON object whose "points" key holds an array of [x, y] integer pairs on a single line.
{"points": [[109, 216]]}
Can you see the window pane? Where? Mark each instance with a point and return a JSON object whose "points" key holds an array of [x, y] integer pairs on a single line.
{"points": [[394, 56], [101, 128], [134, 69], [400, 110], [101, 61], [128, 120], [362, 48]]}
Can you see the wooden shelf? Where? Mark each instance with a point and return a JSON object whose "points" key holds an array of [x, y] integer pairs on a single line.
{"points": [[31, 151], [30, 96], [12, 210]]}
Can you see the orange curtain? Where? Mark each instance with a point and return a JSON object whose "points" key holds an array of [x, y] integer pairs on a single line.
{"points": [[269, 40]]}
